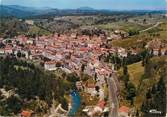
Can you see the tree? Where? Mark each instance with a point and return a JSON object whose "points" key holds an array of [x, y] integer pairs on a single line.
{"points": [[64, 103], [19, 54], [144, 21], [72, 77], [58, 64], [82, 67], [143, 62], [126, 80], [30, 82], [14, 104], [84, 77], [97, 88], [95, 76], [125, 70], [131, 92], [159, 52], [148, 94], [137, 113], [133, 32]]}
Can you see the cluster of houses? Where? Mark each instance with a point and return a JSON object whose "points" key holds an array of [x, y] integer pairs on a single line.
{"points": [[118, 34], [70, 52], [157, 48]]}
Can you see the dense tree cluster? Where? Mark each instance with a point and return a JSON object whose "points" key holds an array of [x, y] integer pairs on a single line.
{"points": [[156, 95], [129, 86], [10, 27], [29, 82], [133, 32], [130, 59], [155, 99]]}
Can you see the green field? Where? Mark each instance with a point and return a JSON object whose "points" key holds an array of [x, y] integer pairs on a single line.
{"points": [[135, 71], [126, 26], [143, 38]]}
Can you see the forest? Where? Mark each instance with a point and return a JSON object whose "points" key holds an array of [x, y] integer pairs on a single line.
{"points": [[34, 88]]}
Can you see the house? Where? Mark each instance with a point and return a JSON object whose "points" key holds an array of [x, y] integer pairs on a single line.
{"points": [[134, 52], [114, 36], [58, 56], [25, 113], [90, 88], [124, 111], [8, 50], [122, 52], [164, 51], [154, 44], [101, 104], [50, 65], [2, 51], [26, 53], [98, 109], [49, 54], [79, 85], [40, 43], [30, 22], [30, 41], [73, 35], [155, 52], [22, 39]]}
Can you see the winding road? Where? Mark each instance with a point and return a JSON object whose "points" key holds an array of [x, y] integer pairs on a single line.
{"points": [[154, 26], [113, 88]]}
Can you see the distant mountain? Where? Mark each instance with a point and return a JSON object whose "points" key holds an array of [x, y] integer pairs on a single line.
{"points": [[22, 11], [17, 11], [22, 8], [86, 8]]}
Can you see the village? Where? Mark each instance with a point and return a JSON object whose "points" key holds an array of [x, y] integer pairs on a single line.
{"points": [[75, 53]]}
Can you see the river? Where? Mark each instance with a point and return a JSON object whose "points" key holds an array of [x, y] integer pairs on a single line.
{"points": [[76, 101]]}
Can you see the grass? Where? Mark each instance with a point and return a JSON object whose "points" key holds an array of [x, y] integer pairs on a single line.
{"points": [[135, 71]]}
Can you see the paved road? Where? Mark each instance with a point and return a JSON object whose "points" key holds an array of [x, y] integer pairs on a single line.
{"points": [[113, 97], [157, 24]]}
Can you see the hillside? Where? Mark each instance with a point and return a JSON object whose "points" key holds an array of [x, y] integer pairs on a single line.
{"points": [[11, 27], [141, 39], [17, 11], [31, 88], [144, 78]]}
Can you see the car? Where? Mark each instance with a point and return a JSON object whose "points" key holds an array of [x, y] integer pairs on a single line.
{"points": [[154, 111]]}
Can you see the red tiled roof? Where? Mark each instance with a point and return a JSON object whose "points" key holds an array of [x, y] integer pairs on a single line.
{"points": [[101, 104], [92, 85], [124, 109], [83, 49], [26, 113]]}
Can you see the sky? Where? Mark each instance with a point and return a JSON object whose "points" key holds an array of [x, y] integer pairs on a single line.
{"points": [[97, 4]]}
